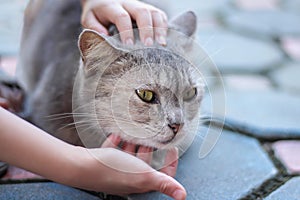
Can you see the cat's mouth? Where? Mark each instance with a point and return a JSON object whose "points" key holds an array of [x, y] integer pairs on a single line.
{"points": [[168, 140]]}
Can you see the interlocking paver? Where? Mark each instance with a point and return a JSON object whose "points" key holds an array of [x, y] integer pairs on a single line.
{"points": [[291, 46], [42, 191], [291, 5], [287, 77], [265, 114], [288, 153], [289, 191], [267, 23], [15, 173], [257, 4], [201, 8], [248, 82], [236, 53], [9, 64], [11, 13], [235, 166]]}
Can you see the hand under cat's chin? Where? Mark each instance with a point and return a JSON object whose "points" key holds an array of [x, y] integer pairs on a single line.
{"points": [[166, 162]]}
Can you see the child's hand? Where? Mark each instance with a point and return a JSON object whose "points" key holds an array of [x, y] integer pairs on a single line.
{"points": [[98, 14], [145, 154], [115, 172]]}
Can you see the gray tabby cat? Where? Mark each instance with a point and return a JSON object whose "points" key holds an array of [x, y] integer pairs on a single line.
{"points": [[149, 96]]}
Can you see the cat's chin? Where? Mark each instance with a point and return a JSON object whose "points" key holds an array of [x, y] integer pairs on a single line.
{"points": [[164, 144]]}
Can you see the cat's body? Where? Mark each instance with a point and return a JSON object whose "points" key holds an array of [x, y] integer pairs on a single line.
{"points": [[112, 83], [49, 60]]}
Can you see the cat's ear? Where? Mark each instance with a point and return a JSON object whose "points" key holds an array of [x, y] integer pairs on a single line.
{"points": [[88, 41], [97, 50], [185, 23]]}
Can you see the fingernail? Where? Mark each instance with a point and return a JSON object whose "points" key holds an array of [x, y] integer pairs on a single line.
{"points": [[149, 41], [129, 41], [162, 40], [179, 195]]}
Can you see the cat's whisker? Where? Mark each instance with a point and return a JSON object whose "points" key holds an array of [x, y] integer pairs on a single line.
{"points": [[71, 115], [83, 123], [66, 114], [83, 106], [90, 127]]}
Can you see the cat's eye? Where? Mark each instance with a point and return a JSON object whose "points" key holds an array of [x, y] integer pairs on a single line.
{"points": [[190, 94], [146, 95]]}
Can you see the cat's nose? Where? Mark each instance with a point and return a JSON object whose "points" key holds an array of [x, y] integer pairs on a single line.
{"points": [[175, 127]]}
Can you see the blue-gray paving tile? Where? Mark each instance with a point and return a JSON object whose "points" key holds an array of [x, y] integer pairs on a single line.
{"points": [[236, 53], [42, 191], [290, 190], [9, 45], [291, 5], [11, 18], [200, 7], [287, 77], [271, 23], [235, 166], [269, 114]]}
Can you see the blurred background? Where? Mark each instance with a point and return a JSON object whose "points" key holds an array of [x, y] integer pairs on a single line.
{"points": [[11, 17]]}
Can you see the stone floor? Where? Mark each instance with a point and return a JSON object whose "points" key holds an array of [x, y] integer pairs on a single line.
{"points": [[256, 47]]}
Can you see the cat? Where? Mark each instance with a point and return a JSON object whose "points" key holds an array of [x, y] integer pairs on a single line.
{"points": [[82, 90]]}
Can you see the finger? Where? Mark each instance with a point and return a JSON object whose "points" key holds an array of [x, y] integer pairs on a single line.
{"points": [[89, 21], [171, 162], [160, 27], [169, 186], [111, 142], [145, 154], [143, 18], [129, 148], [116, 14]]}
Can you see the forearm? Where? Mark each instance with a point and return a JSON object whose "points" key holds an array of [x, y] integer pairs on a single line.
{"points": [[26, 146], [106, 169]]}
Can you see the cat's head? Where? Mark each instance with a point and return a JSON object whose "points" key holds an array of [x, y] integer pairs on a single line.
{"points": [[149, 96]]}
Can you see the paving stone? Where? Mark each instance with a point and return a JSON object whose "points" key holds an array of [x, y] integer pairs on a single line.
{"points": [[265, 23], [291, 46], [287, 77], [11, 17], [235, 53], [249, 82], [9, 45], [201, 7], [15, 173], [257, 4], [288, 153], [291, 5], [289, 190], [9, 64], [265, 114], [235, 166], [42, 191]]}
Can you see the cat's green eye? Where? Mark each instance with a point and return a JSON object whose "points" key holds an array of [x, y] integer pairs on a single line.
{"points": [[190, 94], [146, 95]]}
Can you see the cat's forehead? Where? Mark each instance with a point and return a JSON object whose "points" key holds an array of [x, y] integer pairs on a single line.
{"points": [[164, 65]]}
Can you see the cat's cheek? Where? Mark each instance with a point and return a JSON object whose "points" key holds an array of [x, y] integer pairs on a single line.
{"points": [[139, 111]]}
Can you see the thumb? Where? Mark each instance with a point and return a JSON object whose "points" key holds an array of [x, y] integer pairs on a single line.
{"points": [[169, 186]]}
